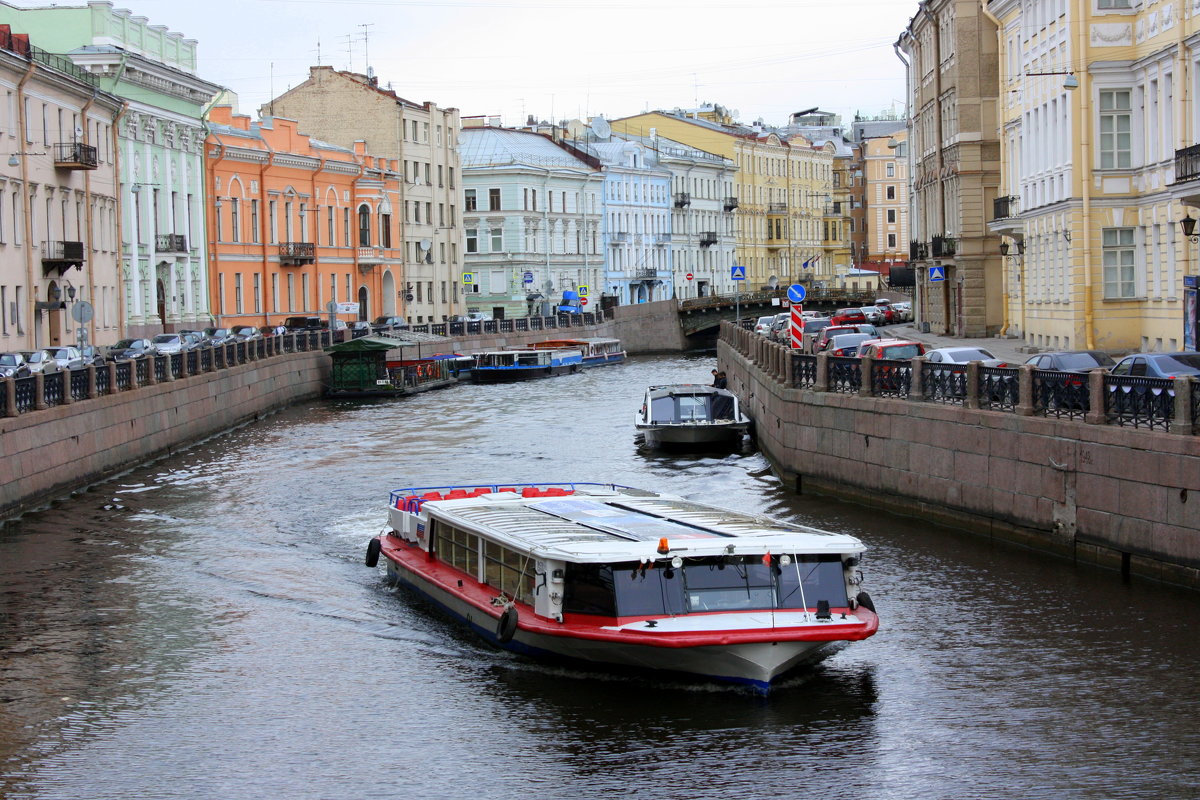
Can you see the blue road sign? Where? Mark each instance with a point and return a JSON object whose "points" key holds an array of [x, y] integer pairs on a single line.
{"points": [[528, 277], [738, 273], [937, 274], [797, 293]]}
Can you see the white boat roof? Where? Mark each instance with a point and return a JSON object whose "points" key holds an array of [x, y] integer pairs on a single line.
{"points": [[602, 524]]}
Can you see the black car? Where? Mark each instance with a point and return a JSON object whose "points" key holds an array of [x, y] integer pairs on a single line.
{"points": [[389, 323], [128, 349], [304, 324], [360, 328], [1072, 360]]}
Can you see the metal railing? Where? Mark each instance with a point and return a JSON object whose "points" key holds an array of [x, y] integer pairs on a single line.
{"points": [[70, 154], [1064, 395], [1187, 164], [1005, 207], [1138, 402], [170, 243]]}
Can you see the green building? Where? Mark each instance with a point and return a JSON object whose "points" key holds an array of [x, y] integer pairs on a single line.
{"points": [[160, 148]]}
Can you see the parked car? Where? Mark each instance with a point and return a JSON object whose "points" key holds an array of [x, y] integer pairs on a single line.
{"points": [[964, 355], [845, 316], [807, 315], [891, 349], [1159, 365], [305, 324], [218, 336], [389, 323], [38, 361], [194, 340], [91, 355], [127, 349], [360, 328], [479, 316], [1072, 361], [12, 365], [873, 315], [903, 311], [245, 333], [846, 344], [762, 325], [65, 357], [820, 340], [168, 344]]}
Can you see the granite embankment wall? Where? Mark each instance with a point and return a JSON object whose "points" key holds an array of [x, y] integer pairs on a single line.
{"points": [[1118, 497], [56, 450]]}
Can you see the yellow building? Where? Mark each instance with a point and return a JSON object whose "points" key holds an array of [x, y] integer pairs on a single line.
{"points": [[1098, 124], [783, 192]]}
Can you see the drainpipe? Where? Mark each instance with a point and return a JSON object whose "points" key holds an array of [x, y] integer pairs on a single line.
{"points": [[918, 293], [1085, 160], [211, 174], [87, 205], [22, 144], [116, 143], [1001, 102]]}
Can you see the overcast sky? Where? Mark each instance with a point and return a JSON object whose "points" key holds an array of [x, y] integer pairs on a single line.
{"points": [[566, 58]]}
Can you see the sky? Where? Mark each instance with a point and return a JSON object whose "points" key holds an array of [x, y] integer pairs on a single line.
{"points": [[560, 59]]}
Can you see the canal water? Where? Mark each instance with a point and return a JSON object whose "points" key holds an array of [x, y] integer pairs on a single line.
{"points": [[204, 627]]}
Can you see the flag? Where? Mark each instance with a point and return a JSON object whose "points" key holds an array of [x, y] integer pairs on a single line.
{"points": [[767, 559]]}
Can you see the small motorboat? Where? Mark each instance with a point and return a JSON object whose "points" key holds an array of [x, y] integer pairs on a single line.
{"points": [[691, 414], [617, 577], [523, 364]]}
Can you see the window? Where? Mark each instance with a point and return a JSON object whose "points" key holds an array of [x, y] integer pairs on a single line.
{"points": [[1119, 263], [497, 240], [891, 169], [1101, 4], [891, 215], [891, 193], [235, 223], [472, 240], [254, 237], [385, 230], [891, 241], [345, 227], [494, 200], [1115, 137], [237, 292], [469, 196], [364, 226]]}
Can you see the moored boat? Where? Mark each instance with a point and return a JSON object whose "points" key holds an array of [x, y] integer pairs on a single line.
{"points": [[522, 364], [596, 350], [377, 366], [690, 414], [619, 577]]}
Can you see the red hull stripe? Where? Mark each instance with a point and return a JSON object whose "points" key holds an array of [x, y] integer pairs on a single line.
{"points": [[410, 558]]}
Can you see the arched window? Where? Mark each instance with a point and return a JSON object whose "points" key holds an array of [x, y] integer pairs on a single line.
{"points": [[364, 226]]}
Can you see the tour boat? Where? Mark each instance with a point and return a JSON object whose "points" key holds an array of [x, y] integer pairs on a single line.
{"points": [[617, 577], [522, 364], [690, 414], [597, 351]]}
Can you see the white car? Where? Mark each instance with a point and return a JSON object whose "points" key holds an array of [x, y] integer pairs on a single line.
{"points": [[963, 355], [874, 315], [763, 325], [65, 357]]}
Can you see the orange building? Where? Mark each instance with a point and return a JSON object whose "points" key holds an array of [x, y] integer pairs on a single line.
{"points": [[295, 223]]}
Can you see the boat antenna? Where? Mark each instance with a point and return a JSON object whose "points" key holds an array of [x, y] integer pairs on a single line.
{"points": [[800, 582]]}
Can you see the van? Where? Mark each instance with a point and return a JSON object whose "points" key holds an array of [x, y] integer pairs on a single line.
{"points": [[298, 324]]}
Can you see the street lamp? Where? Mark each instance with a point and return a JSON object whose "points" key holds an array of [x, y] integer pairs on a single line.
{"points": [[1188, 224]]}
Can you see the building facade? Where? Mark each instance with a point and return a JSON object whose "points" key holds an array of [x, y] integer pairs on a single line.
{"points": [[1099, 129], [59, 242], [885, 189], [343, 108], [951, 59], [160, 144], [295, 224], [532, 215], [783, 190]]}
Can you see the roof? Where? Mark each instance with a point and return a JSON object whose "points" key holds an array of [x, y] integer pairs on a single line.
{"points": [[601, 524], [498, 147]]}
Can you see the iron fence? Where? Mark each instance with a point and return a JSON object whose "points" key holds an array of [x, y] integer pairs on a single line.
{"points": [[1138, 402], [141, 368], [103, 386], [845, 374], [79, 384], [26, 394], [891, 378], [945, 383], [176, 363], [52, 388], [125, 374], [1061, 394], [804, 370], [999, 388], [160, 368]]}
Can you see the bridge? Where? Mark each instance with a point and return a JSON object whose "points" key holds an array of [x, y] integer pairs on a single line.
{"points": [[701, 316]]}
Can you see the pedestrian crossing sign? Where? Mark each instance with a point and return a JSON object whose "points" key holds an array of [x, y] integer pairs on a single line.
{"points": [[738, 273], [937, 274]]}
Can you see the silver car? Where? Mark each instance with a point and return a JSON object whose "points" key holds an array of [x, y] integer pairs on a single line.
{"points": [[168, 344], [65, 357]]}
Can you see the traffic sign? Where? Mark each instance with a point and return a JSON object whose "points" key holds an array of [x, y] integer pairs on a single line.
{"points": [[796, 326], [468, 278], [796, 293], [527, 277], [937, 274], [689, 276], [737, 273], [583, 291], [583, 301]]}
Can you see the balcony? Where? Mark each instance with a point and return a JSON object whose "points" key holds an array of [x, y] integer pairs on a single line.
{"points": [[370, 256], [731, 203], [619, 238], [170, 243], [708, 238], [1006, 215], [61, 256], [918, 251], [645, 273], [74, 155], [943, 246], [682, 199], [777, 209], [661, 239], [297, 254], [1187, 171]]}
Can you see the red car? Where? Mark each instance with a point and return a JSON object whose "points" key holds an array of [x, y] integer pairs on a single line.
{"points": [[848, 316]]}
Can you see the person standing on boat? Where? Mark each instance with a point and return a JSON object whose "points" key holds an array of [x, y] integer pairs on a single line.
{"points": [[719, 380]]}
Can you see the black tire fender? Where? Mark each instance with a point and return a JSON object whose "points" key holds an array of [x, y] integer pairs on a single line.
{"points": [[373, 548], [864, 600], [506, 628]]}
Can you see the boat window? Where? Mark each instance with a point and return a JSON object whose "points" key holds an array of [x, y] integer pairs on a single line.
{"points": [[508, 571], [458, 548], [589, 590], [679, 408], [648, 592], [823, 580], [528, 359], [718, 586]]}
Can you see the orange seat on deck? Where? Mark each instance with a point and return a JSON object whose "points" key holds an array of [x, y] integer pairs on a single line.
{"points": [[506, 489], [455, 494], [531, 491], [554, 491], [432, 496], [481, 490]]}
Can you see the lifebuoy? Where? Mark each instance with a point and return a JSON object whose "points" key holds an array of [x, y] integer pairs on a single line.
{"points": [[506, 628], [373, 548], [864, 600]]}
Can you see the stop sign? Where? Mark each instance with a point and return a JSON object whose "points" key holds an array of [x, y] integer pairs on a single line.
{"points": [[689, 276]]}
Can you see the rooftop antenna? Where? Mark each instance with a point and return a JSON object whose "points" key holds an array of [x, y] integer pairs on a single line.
{"points": [[350, 50], [366, 37], [318, 51]]}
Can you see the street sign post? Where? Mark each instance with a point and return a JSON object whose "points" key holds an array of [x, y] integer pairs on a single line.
{"points": [[937, 274], [738, 274]]}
